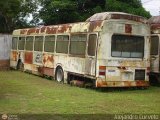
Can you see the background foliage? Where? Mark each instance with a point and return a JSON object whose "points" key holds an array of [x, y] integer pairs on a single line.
{"points": [[14, 13]]}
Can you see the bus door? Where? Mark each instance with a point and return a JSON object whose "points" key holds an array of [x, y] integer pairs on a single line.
{"points": [[90, 61], [154, 54]]}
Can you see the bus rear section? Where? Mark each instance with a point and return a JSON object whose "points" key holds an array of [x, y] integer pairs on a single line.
{"points": [[154, 54], [123, 53]]}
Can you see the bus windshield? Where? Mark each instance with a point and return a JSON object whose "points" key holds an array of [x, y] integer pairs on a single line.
{"points": [[127, 46]]}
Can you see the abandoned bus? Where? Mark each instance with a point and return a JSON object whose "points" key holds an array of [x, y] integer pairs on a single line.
{"points": [[109, 49], [155, 51]]}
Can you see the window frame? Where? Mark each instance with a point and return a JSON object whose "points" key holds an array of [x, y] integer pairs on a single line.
{"points": [[32, 43], [42, 43], [16, 42], [24, 42], [130, 51], [157, 44], [54, 43], [86, 43], [56, 39], [95, 44]]}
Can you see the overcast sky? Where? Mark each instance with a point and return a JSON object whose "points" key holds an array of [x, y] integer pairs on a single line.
{"points": [[153, 6]]}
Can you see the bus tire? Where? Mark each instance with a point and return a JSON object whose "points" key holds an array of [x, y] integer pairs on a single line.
{"points": [[59, 75]]}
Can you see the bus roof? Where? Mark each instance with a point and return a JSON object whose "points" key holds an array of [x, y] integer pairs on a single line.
{"points": [[154, 23], [92, 24], [62, 28], [116, 15]]}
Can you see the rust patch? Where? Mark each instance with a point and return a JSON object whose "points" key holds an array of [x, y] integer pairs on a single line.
{"points": [[28, 57], [116, 15], [128, 28], [77, 83], [14, 55], [94, 25], [48, 60], [43, 29], [63, 28], [101, 84], [51, 30], [46, 71], [139, 83], [155, 26], [127, 83], [123, 64], [154, 22], [40, 70], [128, 17], [24, 31], [31, 31], [37, 31]]}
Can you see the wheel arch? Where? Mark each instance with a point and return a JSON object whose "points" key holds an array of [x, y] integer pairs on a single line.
{"points": [[58, 65]]}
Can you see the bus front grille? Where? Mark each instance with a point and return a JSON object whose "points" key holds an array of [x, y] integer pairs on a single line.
{"points": [[139, 74]]}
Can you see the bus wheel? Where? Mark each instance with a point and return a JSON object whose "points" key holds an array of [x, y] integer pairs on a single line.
{"points": [[59, 75]]}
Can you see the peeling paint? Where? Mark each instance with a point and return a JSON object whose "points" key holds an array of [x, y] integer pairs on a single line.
{"points": [[154, 24], [116, 15], [101, 83], [48, 60], [118, 72], [14, 55], [28, 57]]}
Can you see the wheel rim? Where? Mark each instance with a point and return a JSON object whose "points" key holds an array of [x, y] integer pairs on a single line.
{"points": [[59, 75]]}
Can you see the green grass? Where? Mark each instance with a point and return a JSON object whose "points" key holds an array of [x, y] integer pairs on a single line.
{"points": [[25, 93]]}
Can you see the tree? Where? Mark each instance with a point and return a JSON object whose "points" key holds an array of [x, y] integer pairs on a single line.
{"points": [[57, 11], [66, 11], [7, 12], [14, 13], [129, 6]]}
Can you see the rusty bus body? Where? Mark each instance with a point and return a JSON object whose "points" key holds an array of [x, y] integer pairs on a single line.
{"points": [[109, 49], [155, 50]]}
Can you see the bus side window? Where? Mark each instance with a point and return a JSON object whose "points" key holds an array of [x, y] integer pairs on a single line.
{"points": [[154, 45], [92, 44], [78, 44], [21, 43], [62, 44], [14, 43], [49, 43], [38, 43], [29, 43]]}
